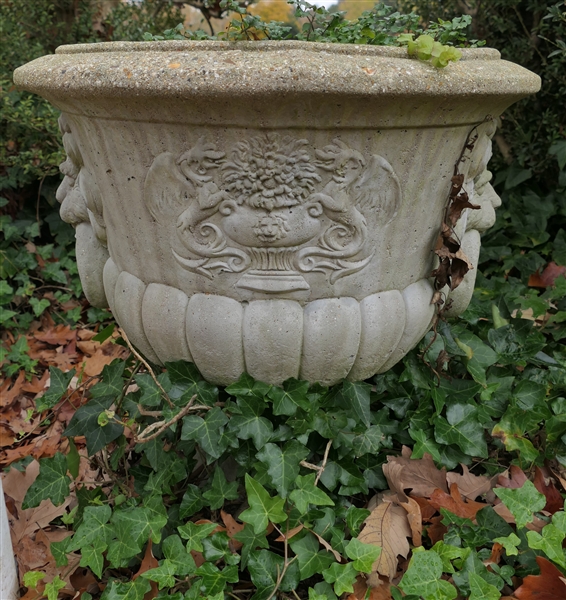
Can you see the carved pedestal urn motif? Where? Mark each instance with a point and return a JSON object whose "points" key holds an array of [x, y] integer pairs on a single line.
{"points": [[271, 207]]}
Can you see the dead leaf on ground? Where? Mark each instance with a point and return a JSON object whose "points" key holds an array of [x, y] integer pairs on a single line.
{"points": [[549, 585], [418, 475], [548, 277], [512, 478], [554, 500], [470, 486], [414, 517], [232, 528], [382, 591], [436, 531], [9, 391], [388, 527], [289, 534], [24, 523], [454, 503], [149, 562]]}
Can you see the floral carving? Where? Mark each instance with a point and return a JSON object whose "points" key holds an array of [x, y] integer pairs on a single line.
{"points": [[270, 210], [270, 172]]}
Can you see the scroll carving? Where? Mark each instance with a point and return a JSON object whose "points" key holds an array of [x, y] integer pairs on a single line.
{"points": [[270, 211]]}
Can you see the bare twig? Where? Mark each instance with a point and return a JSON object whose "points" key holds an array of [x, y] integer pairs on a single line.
{"points": [[318, 468], [286, 564], [146, 365], [161, 426]]}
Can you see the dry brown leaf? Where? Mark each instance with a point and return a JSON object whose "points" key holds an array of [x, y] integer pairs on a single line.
{"points": [[554, 500], [495, 556], [382, 591], [427, 510], [9, 394], [419, 475], [232, 528], [24, 523], [470, 486], [415, 518], [149, 562], [454, 503], [289, 534], [512, 478], [327, 546], [436, 531], [549, 585], [388, 527]]}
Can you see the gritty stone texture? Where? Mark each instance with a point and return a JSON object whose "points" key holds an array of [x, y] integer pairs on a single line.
{"points": [[271, 206]]}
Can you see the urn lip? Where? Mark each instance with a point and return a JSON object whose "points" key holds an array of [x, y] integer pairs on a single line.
{"points": [[266, 69], [262, 46]]}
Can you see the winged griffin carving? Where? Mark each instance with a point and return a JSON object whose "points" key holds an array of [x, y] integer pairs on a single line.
{"points": [[271, 212]]}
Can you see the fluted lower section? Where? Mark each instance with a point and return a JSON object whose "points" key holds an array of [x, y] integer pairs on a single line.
{"points": [[323, 341]]}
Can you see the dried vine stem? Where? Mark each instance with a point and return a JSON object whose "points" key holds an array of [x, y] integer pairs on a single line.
{"points": [[318, 468], [146, 365], [448, 246], [161, 426]]}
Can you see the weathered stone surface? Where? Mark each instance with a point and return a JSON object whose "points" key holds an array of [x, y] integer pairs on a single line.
{"points": [[271, 207], [164, 314]]}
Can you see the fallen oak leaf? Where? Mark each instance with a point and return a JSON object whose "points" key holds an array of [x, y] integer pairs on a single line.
{"points": [[469, 485], [454, 503], [549, 585], [9, 391], [548, 277], [419, 475], [554, 500], [513, 478], [387, 527], [414, 517], [436, 530], [232, 528]]}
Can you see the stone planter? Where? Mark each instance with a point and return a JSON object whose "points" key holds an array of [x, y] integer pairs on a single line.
{"points": [[270, 207]]}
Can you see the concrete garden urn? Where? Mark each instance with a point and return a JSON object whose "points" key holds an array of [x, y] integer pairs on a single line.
{"points": [[271, 207]]}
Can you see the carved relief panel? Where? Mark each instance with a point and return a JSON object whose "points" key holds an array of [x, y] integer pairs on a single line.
{"points": [[272, 208]]}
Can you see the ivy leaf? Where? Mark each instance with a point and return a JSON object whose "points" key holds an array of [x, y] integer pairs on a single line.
{"points": [[52, 482], [423, 578], [151, 394], [342, 576], [59, 551], [250, 541], [473, 565], [250, 425], [85, 422], [52, 588], [163, 575], [311, 559], [355, 518], [448, 553], [263, 508], [482, 590], [265, 567], [550, 542], [363, 555], [175, 551], [283, 465], [91, 556], [358, 394], [247, 386], [192, 502], [221, 490], [132, 590], [293, 395], [462, 427], [126, 545], [369, 442], [307, 493], [93, 530], [510, 543], [195, 534], [523, 502], [112, 380], [59, 382], [207, 432], [214, 580]]}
